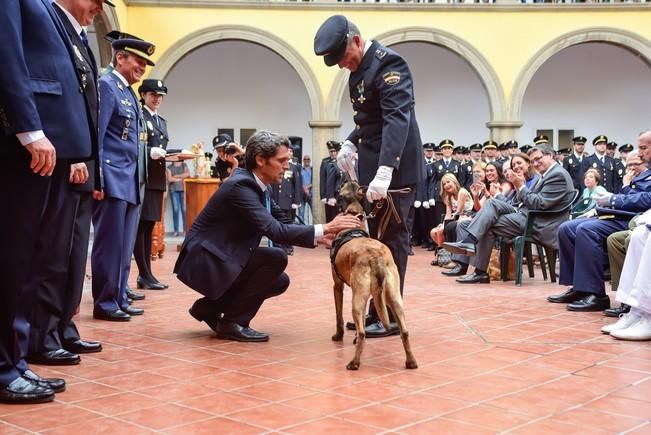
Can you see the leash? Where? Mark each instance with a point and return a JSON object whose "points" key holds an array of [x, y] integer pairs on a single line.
{"points": [[379, 205]]}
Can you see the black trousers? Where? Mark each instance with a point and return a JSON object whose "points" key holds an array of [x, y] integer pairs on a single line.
{"points": [[60, 284], [142, 249], [263, 277]]}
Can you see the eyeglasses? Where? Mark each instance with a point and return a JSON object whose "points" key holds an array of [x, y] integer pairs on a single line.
{"points": [[537, 159]]}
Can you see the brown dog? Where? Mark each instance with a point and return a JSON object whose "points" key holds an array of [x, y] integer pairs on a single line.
{"points": [[367, 266]]}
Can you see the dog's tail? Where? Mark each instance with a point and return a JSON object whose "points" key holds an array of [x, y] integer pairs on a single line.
{"points": [[380, 300]]}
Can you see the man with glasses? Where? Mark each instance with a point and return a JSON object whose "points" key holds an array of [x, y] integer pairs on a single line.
{"points": [[498, 218], [581, 241]]}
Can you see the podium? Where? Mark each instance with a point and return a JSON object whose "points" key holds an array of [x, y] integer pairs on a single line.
{"points": [[197, 193]]}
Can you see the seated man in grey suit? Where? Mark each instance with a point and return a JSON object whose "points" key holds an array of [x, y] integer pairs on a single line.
{"points": [[554, 190]]}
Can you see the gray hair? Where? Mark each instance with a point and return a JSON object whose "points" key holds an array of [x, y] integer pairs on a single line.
{"points": [[264, 144], [544, 148]]}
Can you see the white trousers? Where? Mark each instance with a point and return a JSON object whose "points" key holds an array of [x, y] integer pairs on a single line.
{"points": [[635, 283]]}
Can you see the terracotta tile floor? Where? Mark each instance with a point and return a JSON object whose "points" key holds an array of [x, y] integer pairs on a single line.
{"points": [[492, 358]]}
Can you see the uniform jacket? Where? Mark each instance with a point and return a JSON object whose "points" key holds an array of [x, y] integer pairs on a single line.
{"points": [[620, 171], [439, 170], [606, 170], [554, 191], [290, 190], [573, 166], [323, 176], [121, 156], [227, 231], [637, 196], [156, 137], [40, 88], [386, 131], [422, 188]]}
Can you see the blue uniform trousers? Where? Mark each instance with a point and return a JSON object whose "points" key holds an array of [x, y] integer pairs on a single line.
{"points": [[583, 254], [115, 222]]}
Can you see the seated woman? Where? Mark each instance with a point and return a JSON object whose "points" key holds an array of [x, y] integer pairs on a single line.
{"points": [[520, 163], [593, 189], [492, 186], [458, 204]]}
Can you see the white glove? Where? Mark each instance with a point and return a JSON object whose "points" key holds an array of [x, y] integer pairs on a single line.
{"points": [[379, 186], [426, 205], [345, 159], [294, 206], [417, 204], [332, 202], [324, 200], [432, 202], [603, 200], [157, 153]]}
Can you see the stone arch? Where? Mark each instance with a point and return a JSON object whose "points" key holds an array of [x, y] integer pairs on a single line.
{"points": [[243, 33], [477, 61], [625, 39]]}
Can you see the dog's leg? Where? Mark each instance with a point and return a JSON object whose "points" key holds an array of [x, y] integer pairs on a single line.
{"points": [[394, 301], [359, 304], [338, 290]]}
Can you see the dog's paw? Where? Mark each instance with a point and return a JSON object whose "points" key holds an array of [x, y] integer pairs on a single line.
{"points": [[352, 365], [411, 364], [339, 336]]}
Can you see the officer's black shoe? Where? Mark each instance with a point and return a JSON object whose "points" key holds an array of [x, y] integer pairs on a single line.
{"points": [[616, 312], [146, 284], [133, 311], [22, 390], [57, 385], [377, 329], [591, 302], [368, 320], [459, 270], [134, 296], [474, 278], [567, 298]]}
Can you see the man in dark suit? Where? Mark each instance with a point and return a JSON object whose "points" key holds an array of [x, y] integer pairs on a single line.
{"points": [[582, 250], [151, 93], [122, 139], [46, 128], [573, 162], [499, 218], [386, 137], [221, 256], [601, 162], [54, 338]]}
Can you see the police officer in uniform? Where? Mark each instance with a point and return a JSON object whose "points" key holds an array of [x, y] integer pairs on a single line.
{"points": [[222, 167], [386, 135], [618, 165], [466, 169], [424, 213], [123, 172], [572, 163], [329, 179], [288, 193], [444, 166], [541, 138], [490, 151], [152, 92], [601, 162]]}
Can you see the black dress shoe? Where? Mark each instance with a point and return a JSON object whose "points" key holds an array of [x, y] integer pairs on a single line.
{"points": [[233, 331], [377, 329], [474, 278], [591, 302], [82, 346], [368, 320], [566, 298], [146, 284], [22, 390], [460, 248], [616, 312], [133, 311], [203, 314], [134, 296], [458, 270], [59, 357], [111, 316], [55, 384], [156, 280]]}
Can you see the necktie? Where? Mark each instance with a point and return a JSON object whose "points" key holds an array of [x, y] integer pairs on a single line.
{"points": [[267, 204], [84, 39], [156, 120]]}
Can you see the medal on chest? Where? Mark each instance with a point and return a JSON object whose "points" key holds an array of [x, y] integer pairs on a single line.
{"points": [[360, 91]]}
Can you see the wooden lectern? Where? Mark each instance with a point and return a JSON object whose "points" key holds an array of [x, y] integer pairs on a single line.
{"points": [[197, 193]]}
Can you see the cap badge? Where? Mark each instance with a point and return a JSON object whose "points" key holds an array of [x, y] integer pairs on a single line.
{"points": [[160, 84], [150, 49], [391, 78]]}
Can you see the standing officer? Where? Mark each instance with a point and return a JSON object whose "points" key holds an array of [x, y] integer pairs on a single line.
{"points": [[328, 180], [123, 169], [610, 149], [422, 219], [601, 162], [287, 193], [386, 135], [444, 166], [572, 163], [151, 93], [222, 168], [466, 169], [46, 127], [490, 151], [620, 166]]}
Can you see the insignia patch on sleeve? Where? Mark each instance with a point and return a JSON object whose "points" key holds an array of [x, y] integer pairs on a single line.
{"points": [[391, 78], [379, 53]]}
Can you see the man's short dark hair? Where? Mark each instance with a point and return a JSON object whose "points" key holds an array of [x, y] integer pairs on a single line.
{"points": [[544, 148], [264, 144]]}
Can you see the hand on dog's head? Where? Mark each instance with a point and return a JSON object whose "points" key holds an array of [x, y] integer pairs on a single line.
{"points": [[350, 200]]}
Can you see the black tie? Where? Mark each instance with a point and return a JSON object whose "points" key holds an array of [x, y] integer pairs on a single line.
{"points": [[84, 39], [156, 120]]}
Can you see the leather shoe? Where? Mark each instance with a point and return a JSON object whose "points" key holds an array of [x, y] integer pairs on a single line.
{"points": [[22, 390], [567, 298], [591, 302], [146, 284], [202, 314], [474, 278], [55, 384], [368, 320], [134, 296], [460, 248], [459, 270], [233, 331], [616, 312], [133, 311], [377, 329], [111, 316], [59, 357], [82, 346]]}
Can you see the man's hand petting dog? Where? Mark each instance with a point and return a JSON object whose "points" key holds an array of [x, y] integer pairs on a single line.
{"points": [[341, 222]]}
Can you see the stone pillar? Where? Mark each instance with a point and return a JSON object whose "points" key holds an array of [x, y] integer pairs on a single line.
{"points": [[501, 131], [322, 132]]}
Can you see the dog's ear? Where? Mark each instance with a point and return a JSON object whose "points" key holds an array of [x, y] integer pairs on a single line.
{"points": [[360, 193]]}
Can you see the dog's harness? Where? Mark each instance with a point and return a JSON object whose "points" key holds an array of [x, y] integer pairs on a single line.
{"points": [[341, 239]]}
